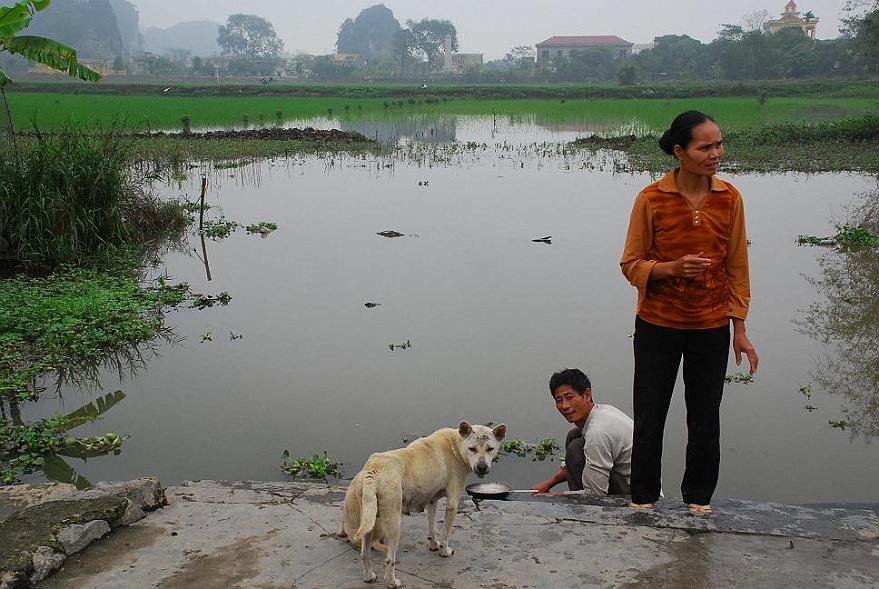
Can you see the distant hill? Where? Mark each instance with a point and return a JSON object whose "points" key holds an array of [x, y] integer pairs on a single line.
{"points": [[90, 26], [197, 36], [126, 19]]}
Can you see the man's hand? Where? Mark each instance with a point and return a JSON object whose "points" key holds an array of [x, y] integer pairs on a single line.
{"points": [[543, 488]]}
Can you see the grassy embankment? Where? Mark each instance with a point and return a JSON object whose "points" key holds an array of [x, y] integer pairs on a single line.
{"points": [[769, 127]]}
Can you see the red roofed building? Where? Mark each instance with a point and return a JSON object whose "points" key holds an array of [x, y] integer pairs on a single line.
{"points": [[563, 47]]}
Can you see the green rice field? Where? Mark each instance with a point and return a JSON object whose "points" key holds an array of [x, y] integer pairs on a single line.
{"points": [[165, 111]]}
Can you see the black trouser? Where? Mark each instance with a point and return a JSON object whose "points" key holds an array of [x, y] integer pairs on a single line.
{"points": [[658, 353]]}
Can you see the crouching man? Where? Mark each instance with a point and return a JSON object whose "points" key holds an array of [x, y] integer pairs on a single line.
{"points": [[598, 450]]}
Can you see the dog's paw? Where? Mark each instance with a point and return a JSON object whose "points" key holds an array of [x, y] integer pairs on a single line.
{"points": [[370, 578], [446, 551], [433, 544]]}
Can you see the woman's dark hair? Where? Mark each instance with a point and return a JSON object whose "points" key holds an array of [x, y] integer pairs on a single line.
{"points": [[572, 377], [681, 130]]}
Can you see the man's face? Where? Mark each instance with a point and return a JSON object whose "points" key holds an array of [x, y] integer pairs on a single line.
{"points": [[572, 405]]}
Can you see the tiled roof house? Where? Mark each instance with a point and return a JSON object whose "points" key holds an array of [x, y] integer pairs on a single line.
{"points": [[562, 47]]}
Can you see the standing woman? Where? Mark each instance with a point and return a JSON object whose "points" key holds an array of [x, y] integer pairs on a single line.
{"points": [[686, 253]]}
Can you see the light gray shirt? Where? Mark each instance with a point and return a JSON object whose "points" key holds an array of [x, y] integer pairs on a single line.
{"points": [[607, 434]]}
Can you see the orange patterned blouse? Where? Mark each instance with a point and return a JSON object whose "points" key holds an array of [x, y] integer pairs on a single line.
{"points": [[664, 226]]}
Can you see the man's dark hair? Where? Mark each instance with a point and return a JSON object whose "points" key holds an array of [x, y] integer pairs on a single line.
{"points": [[573, 377]]}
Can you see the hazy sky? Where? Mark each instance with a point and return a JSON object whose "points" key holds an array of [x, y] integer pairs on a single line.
{"points": [[493, 27]]}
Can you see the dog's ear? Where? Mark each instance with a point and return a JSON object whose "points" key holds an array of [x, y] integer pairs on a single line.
{"points": [[465, 429], [500, 431]]}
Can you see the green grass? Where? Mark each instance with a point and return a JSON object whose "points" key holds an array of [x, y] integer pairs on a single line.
{"points": [[65, 197], [160, 112]]}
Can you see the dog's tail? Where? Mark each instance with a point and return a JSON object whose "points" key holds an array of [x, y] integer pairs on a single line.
{"points": [[368, 505]]}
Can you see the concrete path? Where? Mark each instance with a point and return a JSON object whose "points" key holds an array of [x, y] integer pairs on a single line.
{"points": [[214, 535]]}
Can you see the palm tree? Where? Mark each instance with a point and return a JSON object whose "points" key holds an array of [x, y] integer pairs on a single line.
{"points": [[49, 52]]}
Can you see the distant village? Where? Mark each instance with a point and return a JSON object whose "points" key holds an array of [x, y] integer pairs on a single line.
{"points": [[447, 63]]}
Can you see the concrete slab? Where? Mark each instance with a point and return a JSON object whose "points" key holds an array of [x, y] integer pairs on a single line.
{"points": [[215, 535]]}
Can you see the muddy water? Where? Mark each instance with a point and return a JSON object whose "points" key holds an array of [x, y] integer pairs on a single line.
{"points": [[297, 361]]}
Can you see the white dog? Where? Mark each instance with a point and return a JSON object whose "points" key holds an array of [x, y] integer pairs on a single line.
{"points": [[409, 480]]}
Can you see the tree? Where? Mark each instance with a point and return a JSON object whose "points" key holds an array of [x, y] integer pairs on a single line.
{"points": [[672, 56], [517, 55], [794, 53], [751, 57], [754, 20], [588, 64], [627, 75], [371, 34], [868, 41], [855, 11], [404, 48], [251, 35], [429, 38], [833, 58], [731, 33]]}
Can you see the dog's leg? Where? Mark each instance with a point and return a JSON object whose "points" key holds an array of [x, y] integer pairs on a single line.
{"points": [[366, 557], [342, 533], [431, 526], [448, 522], [393, 540]]}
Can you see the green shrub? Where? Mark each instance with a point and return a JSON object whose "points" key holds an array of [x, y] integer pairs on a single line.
{"points": [[63, 198]]}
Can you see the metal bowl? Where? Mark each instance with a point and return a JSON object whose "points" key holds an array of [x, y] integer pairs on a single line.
{"points": [[488, 490]]}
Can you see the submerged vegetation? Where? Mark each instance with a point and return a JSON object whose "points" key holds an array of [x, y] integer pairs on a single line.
{"points": [[846, 236], [543, 449], [315, 467], [60, 321]]}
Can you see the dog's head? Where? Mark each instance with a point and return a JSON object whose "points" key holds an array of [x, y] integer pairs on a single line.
{"points": [[480, 444]]}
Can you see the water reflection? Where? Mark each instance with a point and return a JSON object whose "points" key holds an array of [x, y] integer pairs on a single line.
{"points": [[846, 320], [125, 362], [431, 130], [434, 129], [56, 442], [54, 465]]}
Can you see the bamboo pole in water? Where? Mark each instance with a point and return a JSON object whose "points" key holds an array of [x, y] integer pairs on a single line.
{"points": [[204, 249]]}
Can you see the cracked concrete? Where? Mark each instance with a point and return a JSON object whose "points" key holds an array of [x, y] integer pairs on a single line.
{"points": [[282, 535]]}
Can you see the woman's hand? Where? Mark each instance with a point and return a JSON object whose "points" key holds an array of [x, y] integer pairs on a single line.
{"points": [[742, 345], [691, 266], [687, 266]]}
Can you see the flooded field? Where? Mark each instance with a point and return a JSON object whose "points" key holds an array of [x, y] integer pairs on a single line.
{"points": [[402, 294]]}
